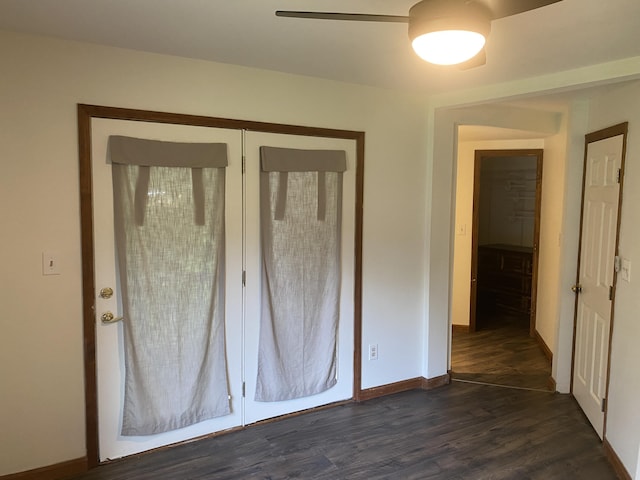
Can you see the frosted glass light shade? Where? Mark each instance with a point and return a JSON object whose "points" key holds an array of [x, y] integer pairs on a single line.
{"points": [[448, 47]]}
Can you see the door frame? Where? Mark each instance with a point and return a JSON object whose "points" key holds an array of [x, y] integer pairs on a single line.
{"points": [[605, 133], [479, 156], [85, 114]]}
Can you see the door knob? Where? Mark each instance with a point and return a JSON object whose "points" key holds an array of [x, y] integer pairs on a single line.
{"points": [[108, 317], [106, 292], [577, 288]]}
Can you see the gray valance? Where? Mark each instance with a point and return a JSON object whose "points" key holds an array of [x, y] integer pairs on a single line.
{"points": [[285, 160], [145, 153], [157, 153], [276, 159]]}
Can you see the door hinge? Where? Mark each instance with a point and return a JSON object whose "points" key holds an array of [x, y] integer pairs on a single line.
{"points": [[611, 292], [244, 278], [619, 177], [244, 390], [604, 404]]}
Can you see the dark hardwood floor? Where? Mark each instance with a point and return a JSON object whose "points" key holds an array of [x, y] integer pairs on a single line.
{"points": [[500, 353], [460, 431]]}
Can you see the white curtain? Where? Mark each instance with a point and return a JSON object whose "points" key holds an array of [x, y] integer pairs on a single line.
{"points": [[169, 223], [300, 217]]}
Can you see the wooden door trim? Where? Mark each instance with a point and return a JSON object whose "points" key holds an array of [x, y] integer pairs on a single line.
{"points": [[479, 155], [85, 114], [475, 222], [536, 247], [609, 132]]}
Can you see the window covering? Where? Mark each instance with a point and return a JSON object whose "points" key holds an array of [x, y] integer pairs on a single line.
{"points": [[300, 218], [169, 226]]}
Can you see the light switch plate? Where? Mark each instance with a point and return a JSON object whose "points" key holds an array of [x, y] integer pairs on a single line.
{"points": [[50, 263], [625, 270]]}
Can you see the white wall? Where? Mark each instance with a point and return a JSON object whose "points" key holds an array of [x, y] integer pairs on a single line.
{"points": [[41, 360], [573, 151], [623, 422], [551, 217]]}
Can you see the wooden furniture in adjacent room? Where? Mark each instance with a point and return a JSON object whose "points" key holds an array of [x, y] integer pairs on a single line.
{"points": [[504, 279]]}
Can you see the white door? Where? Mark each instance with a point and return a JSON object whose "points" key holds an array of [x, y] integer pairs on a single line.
{"points": [[343, 390], [596, 277], [242, 306], [109, 338]]}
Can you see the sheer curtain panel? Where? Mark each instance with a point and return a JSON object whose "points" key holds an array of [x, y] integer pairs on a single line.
{"points": [[169, 227], [300, 219]]}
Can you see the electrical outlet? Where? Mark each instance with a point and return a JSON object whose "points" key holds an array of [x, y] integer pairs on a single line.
{"points": [[373, 351]]}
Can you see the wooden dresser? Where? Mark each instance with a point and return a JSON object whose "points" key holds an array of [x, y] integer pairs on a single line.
{"points": [[504, 279]]}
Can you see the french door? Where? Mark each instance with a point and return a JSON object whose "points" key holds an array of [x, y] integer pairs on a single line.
{"points": [[242, 281], [254, 410]]}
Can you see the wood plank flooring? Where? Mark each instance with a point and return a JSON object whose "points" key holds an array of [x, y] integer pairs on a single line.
{"points": [[501, 353], [460, 431]]}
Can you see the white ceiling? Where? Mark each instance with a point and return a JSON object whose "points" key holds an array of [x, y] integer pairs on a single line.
{"points": [[562, 36]]}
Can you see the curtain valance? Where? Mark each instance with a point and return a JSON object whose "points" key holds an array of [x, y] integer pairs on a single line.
{"points": [[276, 159], [157, 153], [286, 160], [145, 153]]}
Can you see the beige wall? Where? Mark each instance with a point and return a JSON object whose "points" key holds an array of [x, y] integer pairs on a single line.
{"points": [[41, 360], [551, 231]]}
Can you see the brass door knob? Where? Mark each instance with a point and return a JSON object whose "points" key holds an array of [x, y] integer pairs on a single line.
{"points": [[576, 288], [108, 317], [106, 292]]}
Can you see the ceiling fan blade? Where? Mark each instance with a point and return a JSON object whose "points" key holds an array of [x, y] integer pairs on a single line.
{"points": [[477, 61], [506, 8], [357, 17]]}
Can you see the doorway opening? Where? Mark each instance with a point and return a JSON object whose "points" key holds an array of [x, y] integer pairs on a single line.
{"points": [[499, 346]]}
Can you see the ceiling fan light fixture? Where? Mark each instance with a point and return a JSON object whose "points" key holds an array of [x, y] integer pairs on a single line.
{"points": [[448, 47], [448, 32]]}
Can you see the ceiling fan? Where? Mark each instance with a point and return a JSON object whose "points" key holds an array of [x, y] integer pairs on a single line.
{"points": [[444, 32]]}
